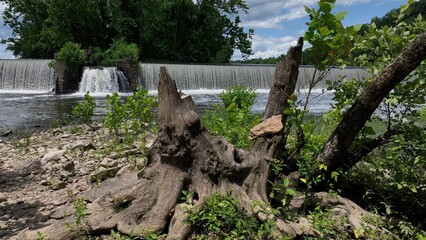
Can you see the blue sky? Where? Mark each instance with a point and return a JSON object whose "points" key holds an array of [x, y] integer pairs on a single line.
{"points": [[279, 23]]}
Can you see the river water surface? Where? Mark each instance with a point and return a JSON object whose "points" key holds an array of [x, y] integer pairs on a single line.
{"points": [[28, 110]]}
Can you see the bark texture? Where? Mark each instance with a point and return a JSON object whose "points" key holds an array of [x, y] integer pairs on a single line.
{"points": [[283, 86], [357, 115]]}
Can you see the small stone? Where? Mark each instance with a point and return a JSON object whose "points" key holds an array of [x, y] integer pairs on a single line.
{"points": [[52, 156], [3, 224], [46, 183], [59, 185], [141, 163], [36, 168], [62, 212], [58, 202], [103, 174], [124, 170], [69, 167], [42, 217], [3, 197], [64, 175]]}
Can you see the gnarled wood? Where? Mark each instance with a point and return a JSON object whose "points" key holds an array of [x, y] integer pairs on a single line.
{"points": [[183, 157]]}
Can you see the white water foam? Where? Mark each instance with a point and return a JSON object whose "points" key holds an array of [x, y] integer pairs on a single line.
{"points": [[103, 81]]}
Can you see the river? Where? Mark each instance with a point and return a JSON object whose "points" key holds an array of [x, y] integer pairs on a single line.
{"points": [[29, 110]]}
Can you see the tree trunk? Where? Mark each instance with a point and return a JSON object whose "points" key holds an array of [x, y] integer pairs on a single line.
{"points": [[333, 152]]}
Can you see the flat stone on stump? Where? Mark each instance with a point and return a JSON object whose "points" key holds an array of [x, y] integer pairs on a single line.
{"points": [[269, 127]]}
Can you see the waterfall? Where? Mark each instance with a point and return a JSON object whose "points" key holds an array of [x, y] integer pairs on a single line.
{"points": [[26, 74], [189, 76], [103, 80]]}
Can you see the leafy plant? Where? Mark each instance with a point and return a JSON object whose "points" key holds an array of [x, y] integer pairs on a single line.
{"points": [[131, 118], [284, 191], [120, 49], [83, 111], [24, 142], [78, 227], [332, 43], [116, 113], [221, 217], [41, 236], [234, 120], [239, 95], [72, 55], [323, 221]]}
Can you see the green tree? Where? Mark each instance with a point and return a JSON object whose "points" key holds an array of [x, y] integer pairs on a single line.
{"points": [[77, 21], [184, 30], [28, 20]]}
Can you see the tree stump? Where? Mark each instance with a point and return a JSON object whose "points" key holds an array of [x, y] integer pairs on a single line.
{"points": [[184, 157]]}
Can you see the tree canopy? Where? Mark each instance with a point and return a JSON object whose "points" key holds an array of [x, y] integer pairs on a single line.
{"points": [[183, 30]]}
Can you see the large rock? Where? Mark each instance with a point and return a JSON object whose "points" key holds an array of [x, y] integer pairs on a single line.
{"points": [[269, 127]]}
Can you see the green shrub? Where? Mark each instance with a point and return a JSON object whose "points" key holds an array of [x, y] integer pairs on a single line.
{"points": [[72, 55], [234, 120], [116, 113], [392, 178], [96, 56], [240, 95], [222, 217], [83, 111], [120, 49], [130, 118]]}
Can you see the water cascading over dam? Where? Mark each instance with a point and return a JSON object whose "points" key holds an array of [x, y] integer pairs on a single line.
{"points": [[103, 80], [26, 74], [191, 76]]}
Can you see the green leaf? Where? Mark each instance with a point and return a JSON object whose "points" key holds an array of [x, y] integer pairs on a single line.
{"points": [[369, 131], [290, 192], [288, 111], [286, 182], [307, 9], [341, 15], [324, 30], [357, 27]]}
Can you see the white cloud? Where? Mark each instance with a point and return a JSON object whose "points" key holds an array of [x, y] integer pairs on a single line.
{"points": [[265, 47], [274, 14]]}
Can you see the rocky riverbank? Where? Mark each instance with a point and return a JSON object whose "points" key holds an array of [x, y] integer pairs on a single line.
{"points": [[43, 174]]}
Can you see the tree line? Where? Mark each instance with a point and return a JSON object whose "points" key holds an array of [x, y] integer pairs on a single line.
{"points": [[164, 30]]}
